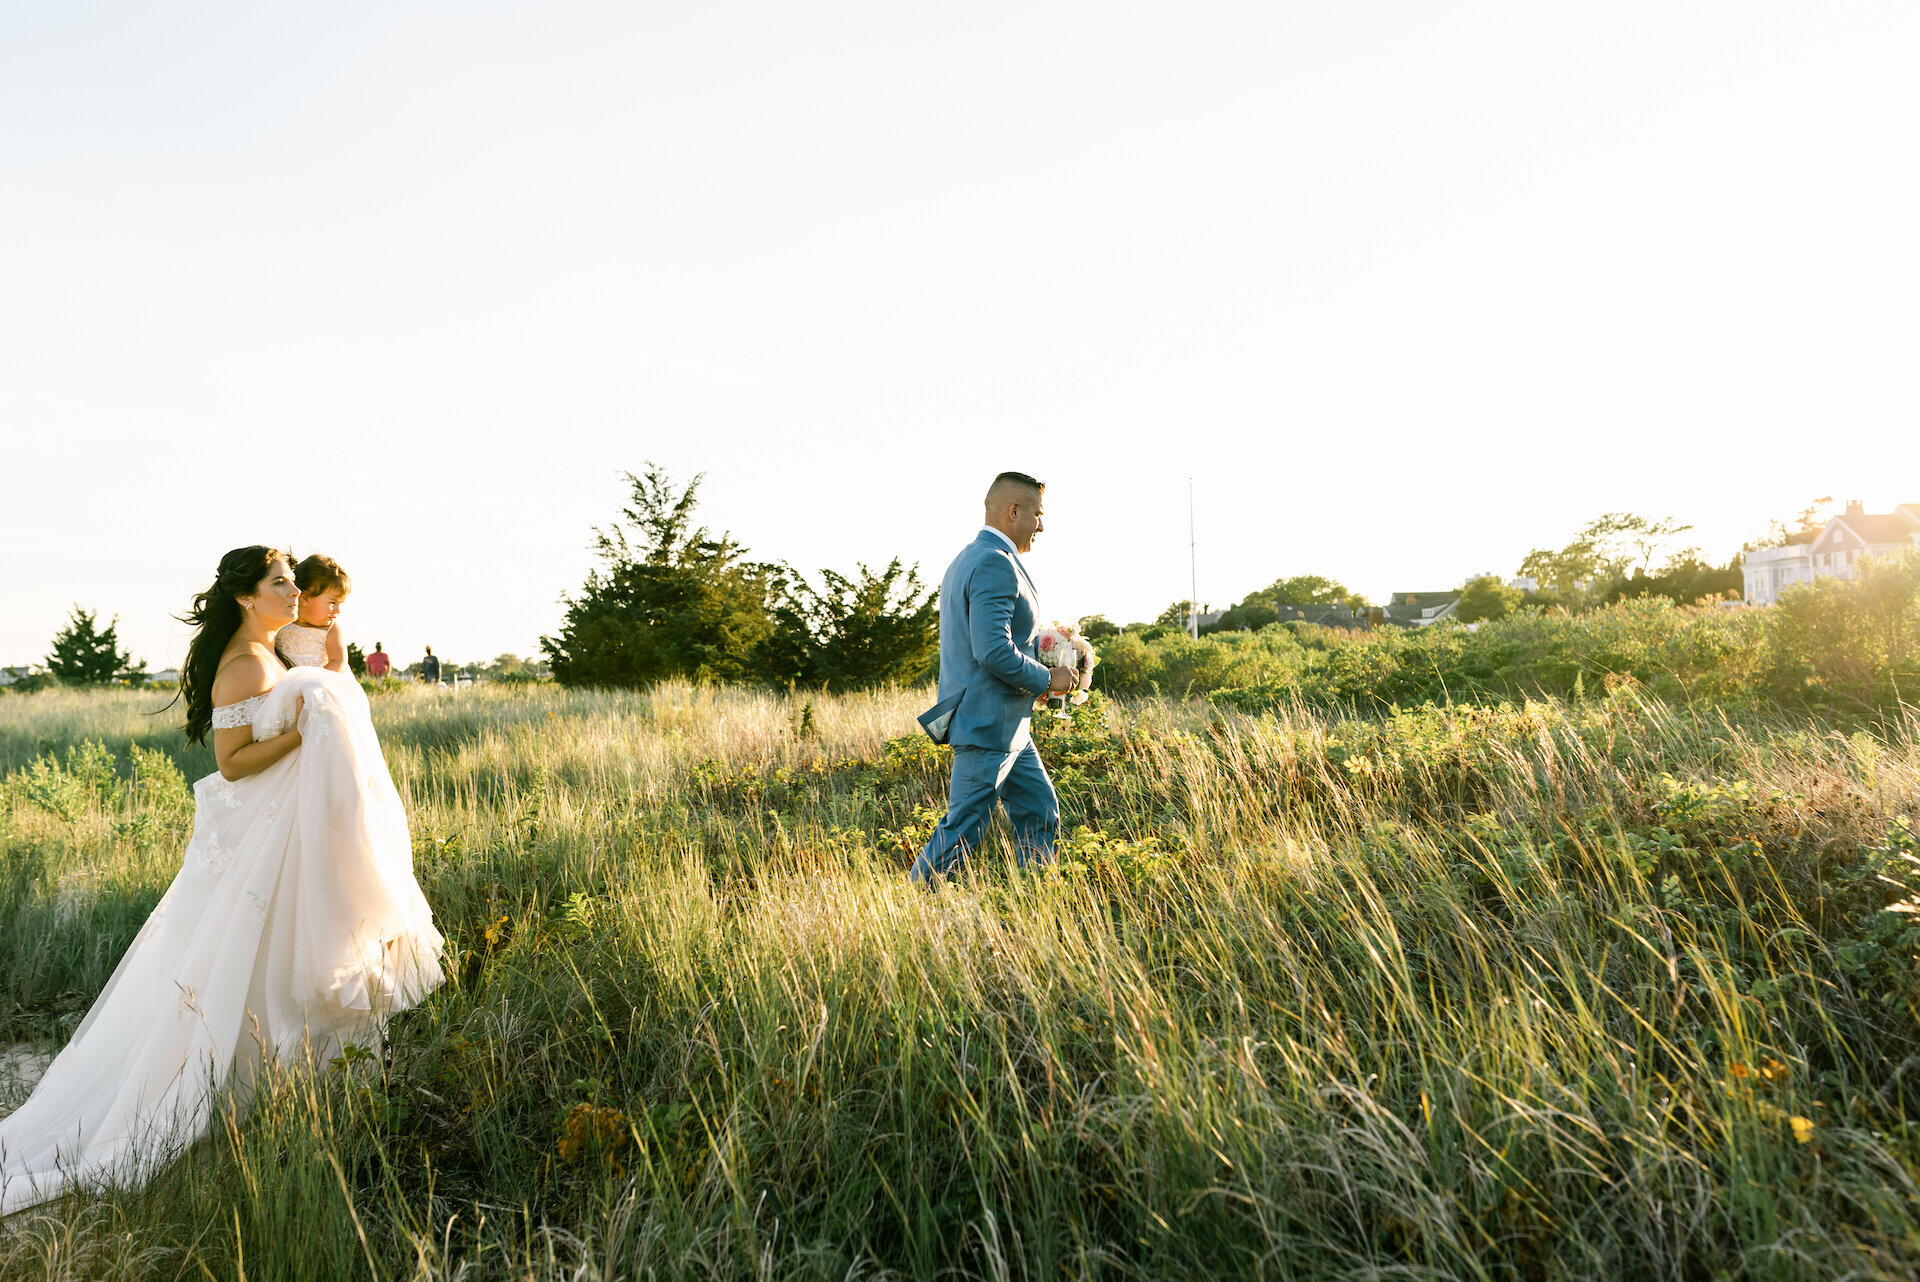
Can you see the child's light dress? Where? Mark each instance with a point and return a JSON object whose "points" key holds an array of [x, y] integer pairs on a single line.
{"points": [[300, 646]]}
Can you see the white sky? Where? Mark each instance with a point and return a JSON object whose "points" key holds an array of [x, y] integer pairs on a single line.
{"points": [[1407, 288]]}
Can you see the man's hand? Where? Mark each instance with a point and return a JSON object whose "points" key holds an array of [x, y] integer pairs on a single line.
{"points": [[1062, 680]]}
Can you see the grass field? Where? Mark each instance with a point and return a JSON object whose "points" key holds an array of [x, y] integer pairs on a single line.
{"points": [[1605, 988]]}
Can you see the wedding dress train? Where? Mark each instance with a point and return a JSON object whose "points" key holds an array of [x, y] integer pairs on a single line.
{"points": [[294, 926]]}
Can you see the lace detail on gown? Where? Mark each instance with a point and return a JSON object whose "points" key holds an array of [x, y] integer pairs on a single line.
{"points": [[234, 715], [302, 646]]}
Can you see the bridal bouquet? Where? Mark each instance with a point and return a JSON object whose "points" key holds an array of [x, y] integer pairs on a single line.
{"points": [[1061, 647]]}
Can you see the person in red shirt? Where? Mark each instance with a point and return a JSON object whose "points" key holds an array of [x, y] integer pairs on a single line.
{"points": [[378, 661]]}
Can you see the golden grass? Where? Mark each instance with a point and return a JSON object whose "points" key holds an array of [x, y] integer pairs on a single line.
{"points": [[1538, 991]]}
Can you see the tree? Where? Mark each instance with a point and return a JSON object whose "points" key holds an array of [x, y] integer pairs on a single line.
{"points": [[1577, 562], [511, 667], [1263, 607], [1686, 578], [1311, 589], [1097, 627], [1645, 536], [669, 599], [1251, 615], [1604, 552], [1487, 598], [85, 655], [356, 660], [1805, 527], [1175, 615], [851, 634]]}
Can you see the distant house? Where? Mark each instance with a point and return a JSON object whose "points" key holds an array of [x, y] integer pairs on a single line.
{"points": [[10, 676], [1847, 539], [1526, 583], [1420, 609], [1327, 616]]}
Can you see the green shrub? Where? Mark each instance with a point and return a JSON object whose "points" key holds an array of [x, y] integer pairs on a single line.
{"points": [[1851, 642], [1175, 664]]}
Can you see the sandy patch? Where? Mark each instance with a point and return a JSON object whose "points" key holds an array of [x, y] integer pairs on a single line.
{"points": [[20, 1070]]}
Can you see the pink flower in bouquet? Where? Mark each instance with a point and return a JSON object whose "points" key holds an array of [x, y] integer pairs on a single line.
{"points": [[1061, 647]]}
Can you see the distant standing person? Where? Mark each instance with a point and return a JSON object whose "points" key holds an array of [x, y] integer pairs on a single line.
{"points": [[430, 668], [379, 661]]}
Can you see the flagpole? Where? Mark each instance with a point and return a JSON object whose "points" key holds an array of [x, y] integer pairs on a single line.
{"points": [[1193, 569]]}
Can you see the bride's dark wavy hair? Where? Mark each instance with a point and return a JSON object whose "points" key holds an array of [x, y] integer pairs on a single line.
{"points": [[217, 614]]}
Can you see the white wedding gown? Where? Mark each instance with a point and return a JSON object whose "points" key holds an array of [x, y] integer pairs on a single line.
{"points": [[294, 925]]}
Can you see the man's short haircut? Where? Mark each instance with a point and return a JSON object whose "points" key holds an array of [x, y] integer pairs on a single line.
{"points": [[1007, 481]]}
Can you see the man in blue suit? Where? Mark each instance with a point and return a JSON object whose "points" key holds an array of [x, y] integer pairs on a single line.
{"points": [[989, 678]]}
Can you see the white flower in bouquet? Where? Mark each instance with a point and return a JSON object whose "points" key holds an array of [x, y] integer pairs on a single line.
{"points": [[1061, 647]]}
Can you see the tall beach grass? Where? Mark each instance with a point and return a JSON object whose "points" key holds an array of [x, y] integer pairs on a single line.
{"points": [[1600, 988]]}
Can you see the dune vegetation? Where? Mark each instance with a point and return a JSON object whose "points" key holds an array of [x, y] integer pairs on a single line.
{"points": [[1608, 986]]}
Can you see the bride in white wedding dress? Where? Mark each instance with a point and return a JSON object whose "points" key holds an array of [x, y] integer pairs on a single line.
{"points": [[295, 924]]}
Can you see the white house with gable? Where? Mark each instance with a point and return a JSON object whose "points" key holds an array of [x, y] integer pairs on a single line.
{"points": [[1847, 540]]}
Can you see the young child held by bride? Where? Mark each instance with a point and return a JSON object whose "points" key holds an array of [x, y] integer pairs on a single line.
{"points": [[313, 638]]}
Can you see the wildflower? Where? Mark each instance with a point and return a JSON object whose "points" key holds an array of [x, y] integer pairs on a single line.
{"points": [[1802, 1128], [588, 1128]]}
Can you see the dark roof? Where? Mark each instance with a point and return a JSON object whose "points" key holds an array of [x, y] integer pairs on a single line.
{"points": [[1423, 600], [1331, 616]]}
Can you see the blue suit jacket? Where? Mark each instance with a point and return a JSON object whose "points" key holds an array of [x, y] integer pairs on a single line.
{"points": [[989, 617]]}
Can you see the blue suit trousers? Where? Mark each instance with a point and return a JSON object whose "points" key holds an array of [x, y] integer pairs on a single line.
{"points": [[981, 777]]}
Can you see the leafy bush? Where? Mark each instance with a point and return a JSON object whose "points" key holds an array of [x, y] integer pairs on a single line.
{"points": [[1487, 598], [1675, 652], [1853, 642], [1174, 663], [1834, 643], [669, 599], [851, 634]]}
